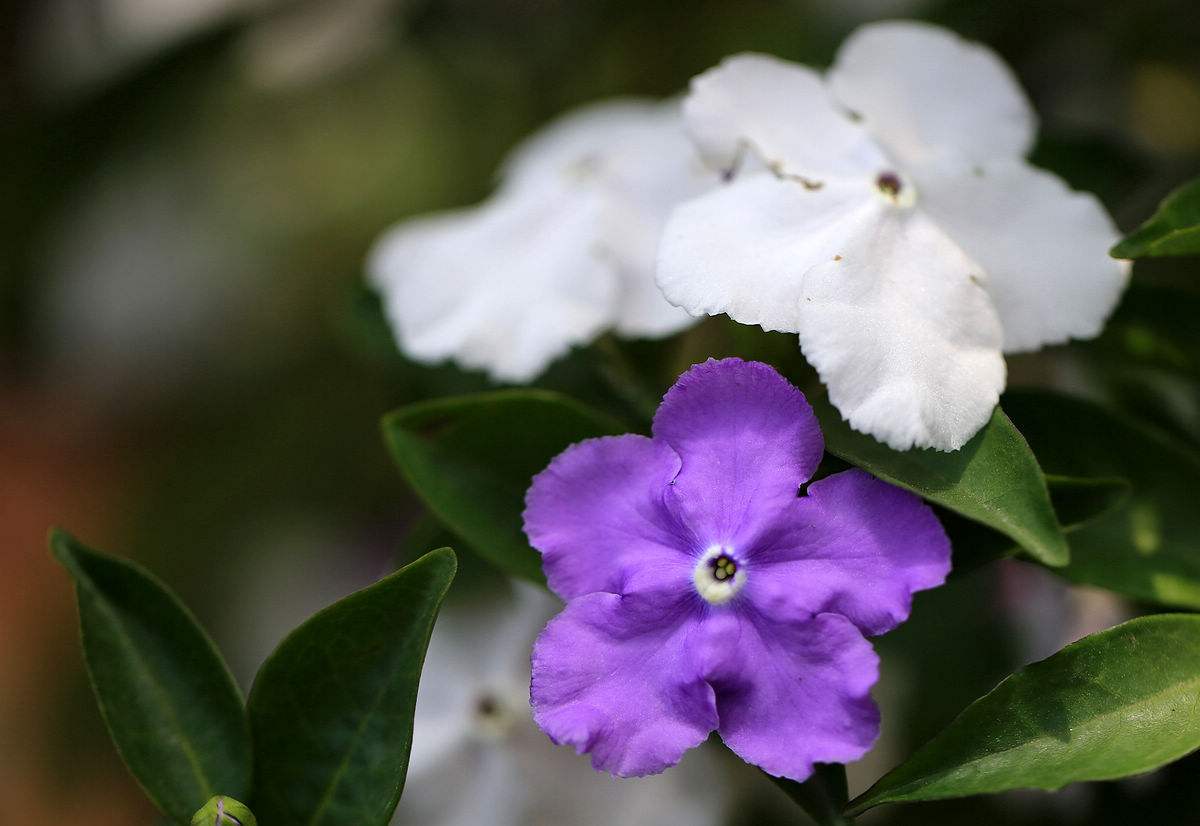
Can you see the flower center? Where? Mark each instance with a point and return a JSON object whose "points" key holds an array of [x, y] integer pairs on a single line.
{"points": [[895, 188], [493, 717], [718, 575]]}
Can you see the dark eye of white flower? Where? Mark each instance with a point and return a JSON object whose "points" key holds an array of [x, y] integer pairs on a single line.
{"points": [[895, 188], [889, 184], [487, 706]]}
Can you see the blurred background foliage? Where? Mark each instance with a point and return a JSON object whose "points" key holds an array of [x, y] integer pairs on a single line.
{"points": [[191, 371]]}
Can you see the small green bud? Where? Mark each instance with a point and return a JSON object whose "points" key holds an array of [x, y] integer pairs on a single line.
{"points": [[224, 811]]}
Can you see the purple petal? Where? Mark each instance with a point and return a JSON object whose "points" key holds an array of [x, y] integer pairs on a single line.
{"points": [[793, 694], [615, 676], [853, 546], [747, 438], [597, 516]]}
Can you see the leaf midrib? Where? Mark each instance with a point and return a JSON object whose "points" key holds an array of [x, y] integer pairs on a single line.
{"points": [[159, 692]]}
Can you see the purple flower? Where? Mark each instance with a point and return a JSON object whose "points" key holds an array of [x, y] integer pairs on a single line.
{"points": [[707, 590]]}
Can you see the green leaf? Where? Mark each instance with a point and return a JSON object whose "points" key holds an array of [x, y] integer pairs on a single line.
{"points": [[1174, 229], [993, 479], [1149, 548], [1077, 502], [822, 796], [332, 708], [1120, 702], [167, 697], [471, 459]]}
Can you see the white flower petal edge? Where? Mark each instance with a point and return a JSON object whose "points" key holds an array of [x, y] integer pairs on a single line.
{"points": [[742, 249], [1041, 244], [923, 91], [903, 334], [506, 287], [562, 252], [887, 216], [741, 106]]}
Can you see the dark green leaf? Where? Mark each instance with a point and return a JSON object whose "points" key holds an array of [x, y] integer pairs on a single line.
{"points": [[1077, 502], [993, 479], [1174, 229], [332, 709], [167, 697], [822, 796], [471, 459], [1117, 703], [1149, 548]]}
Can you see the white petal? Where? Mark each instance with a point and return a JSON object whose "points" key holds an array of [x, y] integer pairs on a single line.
{"points": [[1044, 247], [903, 334], [743, 249], [563, 251], [781, 111], [636, 157], [923, 91], [507, 287]]}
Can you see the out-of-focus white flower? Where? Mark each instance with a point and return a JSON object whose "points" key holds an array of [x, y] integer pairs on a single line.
{"points": [[478, 758], [563, 251], [885, 213]]}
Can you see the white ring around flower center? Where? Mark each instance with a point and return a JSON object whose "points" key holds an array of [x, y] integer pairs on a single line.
{"points": [[718, 575], [895, 188]]}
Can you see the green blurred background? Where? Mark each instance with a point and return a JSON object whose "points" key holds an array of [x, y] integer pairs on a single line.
{"points": [[192, 374]]}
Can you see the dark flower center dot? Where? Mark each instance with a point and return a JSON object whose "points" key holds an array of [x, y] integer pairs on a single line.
{"points": [[487, 706], [889, 183], [723, 567]]}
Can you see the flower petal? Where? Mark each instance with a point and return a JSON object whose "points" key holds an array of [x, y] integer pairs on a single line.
{"points": [[779, 110], [637, 157], [597, 516], [1044, 246], [903, 333], [614, 676], [793, 694], [747, 440], [853, 546], [923, 91], [743, 249], [507, 287]]}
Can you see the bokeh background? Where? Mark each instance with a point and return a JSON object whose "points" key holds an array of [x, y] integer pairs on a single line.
{"points": [[192, 374]]}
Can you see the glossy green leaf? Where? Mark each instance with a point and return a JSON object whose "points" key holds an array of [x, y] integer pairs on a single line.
{"points": [[822, 797], [1077, 502], [993, 479], [1149, 548], [1117, 703], [332, 708], [167, 697], [471, 459], [1174, 229]]}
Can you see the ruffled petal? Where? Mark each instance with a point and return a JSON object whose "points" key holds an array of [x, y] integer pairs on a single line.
{"points": [[635, 154], [1044, 246], [506, 287], [616, 677], [743, 249], [597, 516], [793, 694], [747, 440], [780, 111], [853, 546], [922, 91], [903, 333]]}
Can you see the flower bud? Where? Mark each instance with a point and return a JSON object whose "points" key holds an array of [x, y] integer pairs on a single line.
{"points": [[224, 811]]}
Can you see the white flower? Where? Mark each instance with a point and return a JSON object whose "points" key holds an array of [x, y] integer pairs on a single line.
{"points": [[563, 251], [477, 756], [885, 213]]}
